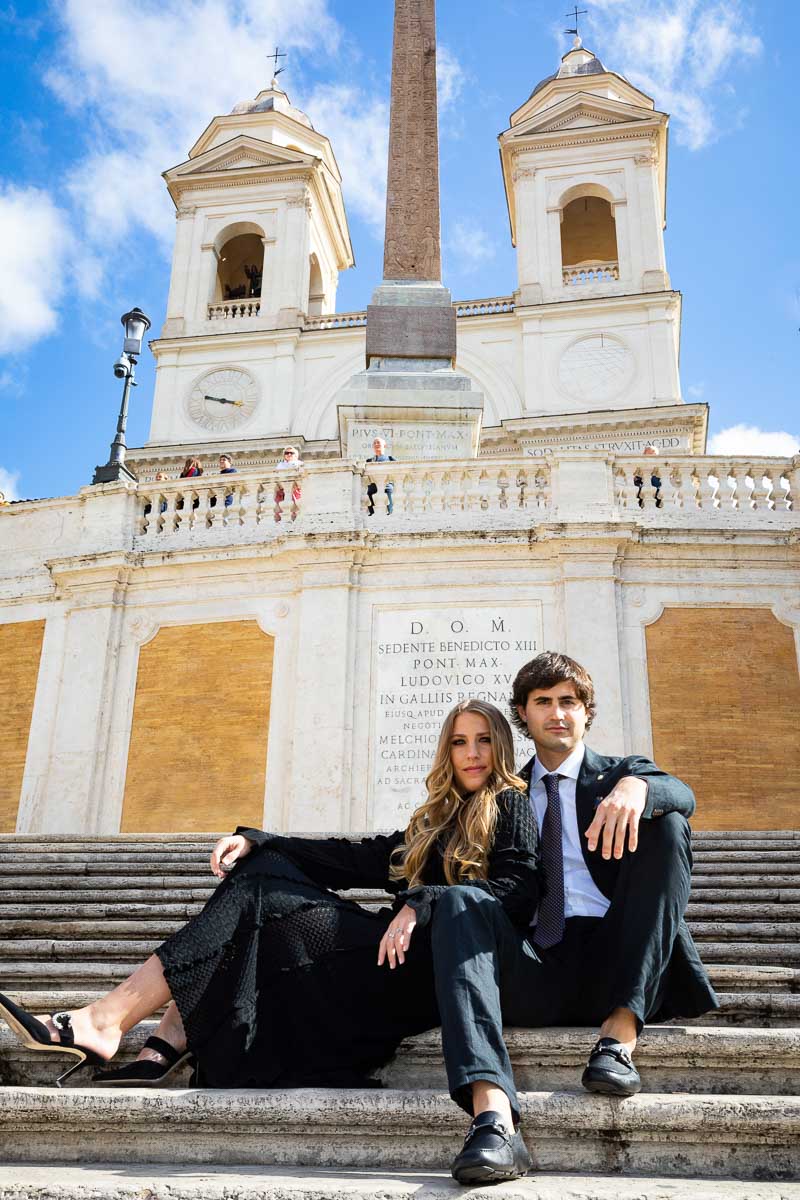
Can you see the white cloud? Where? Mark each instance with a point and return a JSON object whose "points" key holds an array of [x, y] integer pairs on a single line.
{"points": [[697, 390], [358, 126], [35, 252], [451, 77], [8, 484], [749, 439], [148, 79], [682, 53], [469, 245]]}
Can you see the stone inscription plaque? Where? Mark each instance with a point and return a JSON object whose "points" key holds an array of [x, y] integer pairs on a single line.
{"points": [[411, 440], [621, 443], [423, 662]]}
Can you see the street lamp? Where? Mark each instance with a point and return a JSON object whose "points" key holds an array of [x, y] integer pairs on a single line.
{"points": [[136, 326]]}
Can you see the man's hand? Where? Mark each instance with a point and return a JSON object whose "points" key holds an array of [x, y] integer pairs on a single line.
{"points": [[618, 813], [397, 938], [227, 853]]}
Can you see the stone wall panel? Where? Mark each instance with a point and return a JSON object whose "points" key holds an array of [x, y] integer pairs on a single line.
{"points": [[20, 653]]}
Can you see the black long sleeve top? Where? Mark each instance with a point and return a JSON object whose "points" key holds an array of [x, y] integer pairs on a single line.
{"points": [[341, 863]]}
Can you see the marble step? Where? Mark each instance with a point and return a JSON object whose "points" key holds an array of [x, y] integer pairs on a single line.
{"points": [[745, 1137], [671, 1059], [123, 917], [150, 1181], [769, 983]]}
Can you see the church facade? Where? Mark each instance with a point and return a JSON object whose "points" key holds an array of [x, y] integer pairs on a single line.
{"points": [[278, 646]]}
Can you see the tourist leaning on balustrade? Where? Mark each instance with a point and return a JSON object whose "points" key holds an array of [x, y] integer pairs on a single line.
{"points": [[279, 981]]}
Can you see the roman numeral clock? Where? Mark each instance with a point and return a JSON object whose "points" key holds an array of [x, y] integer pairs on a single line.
{"points": [[223, 400]]}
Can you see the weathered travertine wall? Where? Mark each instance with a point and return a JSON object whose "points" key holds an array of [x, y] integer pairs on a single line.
{"points": [[724, 699], [20, 651]]}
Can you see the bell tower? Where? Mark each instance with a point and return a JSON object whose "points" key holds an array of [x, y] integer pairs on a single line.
{"points": [[261, 238], [585, 171]]}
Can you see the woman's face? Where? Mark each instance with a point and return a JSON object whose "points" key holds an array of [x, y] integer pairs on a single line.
{"points": [[471, 751]]}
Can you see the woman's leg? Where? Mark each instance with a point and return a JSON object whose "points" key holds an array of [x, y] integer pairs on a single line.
{"points": [[170, 1029], [100, 1025]]}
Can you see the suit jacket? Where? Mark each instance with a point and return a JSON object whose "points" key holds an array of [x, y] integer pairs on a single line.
{"points": [[687, 990]]}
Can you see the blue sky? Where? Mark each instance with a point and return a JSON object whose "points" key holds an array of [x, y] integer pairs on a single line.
{"points": [[98, 99]]}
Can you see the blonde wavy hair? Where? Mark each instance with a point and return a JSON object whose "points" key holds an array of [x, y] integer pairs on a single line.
{"points": [[470, 820]]}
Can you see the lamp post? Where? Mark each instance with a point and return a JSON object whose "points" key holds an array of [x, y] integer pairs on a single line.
{"points": [[136, 326]]}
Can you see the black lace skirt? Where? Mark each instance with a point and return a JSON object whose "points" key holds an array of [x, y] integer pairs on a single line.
{"points": [[277, 983]]}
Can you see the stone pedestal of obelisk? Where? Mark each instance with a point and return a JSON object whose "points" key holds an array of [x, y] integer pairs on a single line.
{"points": [[410, 377]]}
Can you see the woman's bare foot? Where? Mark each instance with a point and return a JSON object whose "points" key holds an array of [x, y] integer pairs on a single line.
{"points": [[170, 1030], [88, 1032]]}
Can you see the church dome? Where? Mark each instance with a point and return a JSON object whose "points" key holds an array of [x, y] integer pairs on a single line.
{"points": [[273, 99], [576, 62]]}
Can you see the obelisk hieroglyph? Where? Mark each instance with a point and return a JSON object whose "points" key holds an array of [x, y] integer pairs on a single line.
{"points": [[411, 316], [412, 242]]}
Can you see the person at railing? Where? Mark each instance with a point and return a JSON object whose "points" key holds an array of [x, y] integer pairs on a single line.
{"points": [[379, 455], [191, 470], [226, 467], [254, 277], [291, 461], [279, 981], [655, 479]]}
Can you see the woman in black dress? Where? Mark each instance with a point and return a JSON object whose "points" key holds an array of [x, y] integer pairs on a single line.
{"points": [[280, 981]]}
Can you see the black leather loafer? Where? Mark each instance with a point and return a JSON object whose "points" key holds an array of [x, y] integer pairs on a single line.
{"points": [[610, 1070], [490, 1153]]}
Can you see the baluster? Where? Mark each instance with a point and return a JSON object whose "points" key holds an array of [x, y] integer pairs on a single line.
{"points": [[760, 494], [670, 486], [784, 497], [145, 513], [436, 495], [522, 489], [503, 484], [472, 489], [282, 498]]}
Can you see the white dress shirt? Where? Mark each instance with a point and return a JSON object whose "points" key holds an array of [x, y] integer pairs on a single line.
{"points": [[582, 897]]}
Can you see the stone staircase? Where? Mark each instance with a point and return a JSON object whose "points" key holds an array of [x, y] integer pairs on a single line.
{"points": [[720, 1103]]}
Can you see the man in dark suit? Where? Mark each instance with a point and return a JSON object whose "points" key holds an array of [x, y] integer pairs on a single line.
{"points": [[609, 945]]}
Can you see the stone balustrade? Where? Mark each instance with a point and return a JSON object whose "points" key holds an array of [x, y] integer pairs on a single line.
{"points": [[508, 495], [483, 308], [348, 320], [740, 487], [514, 493], [192, 509], [577, 276], [231, 310], [464, 308]]}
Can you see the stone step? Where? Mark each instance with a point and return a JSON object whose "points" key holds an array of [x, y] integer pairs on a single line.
{"points": [[671, 1059], [784, 954], [149, 1181], [747, 1137], [61, 917]]}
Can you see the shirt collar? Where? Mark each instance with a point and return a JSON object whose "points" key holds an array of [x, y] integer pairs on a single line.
{"points": [[570, 767]]}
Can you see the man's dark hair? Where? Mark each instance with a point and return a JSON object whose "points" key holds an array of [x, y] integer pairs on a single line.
{"points": [[545, 671]]}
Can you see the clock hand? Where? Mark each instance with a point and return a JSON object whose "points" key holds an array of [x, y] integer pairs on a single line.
{"points": [[222, 400]]}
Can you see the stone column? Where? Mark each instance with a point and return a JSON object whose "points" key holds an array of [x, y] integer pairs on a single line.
{"points": [[63, 790]]}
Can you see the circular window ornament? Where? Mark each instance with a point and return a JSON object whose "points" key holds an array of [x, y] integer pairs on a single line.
{"points": [[597, 367], [223, 399]]}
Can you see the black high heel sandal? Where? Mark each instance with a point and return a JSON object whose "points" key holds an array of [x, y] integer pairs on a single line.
{"points": [[145, 1072], [35, 1035]]}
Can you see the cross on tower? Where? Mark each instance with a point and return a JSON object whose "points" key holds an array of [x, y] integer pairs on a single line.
{"points": [[276, 69], [575, 13]]}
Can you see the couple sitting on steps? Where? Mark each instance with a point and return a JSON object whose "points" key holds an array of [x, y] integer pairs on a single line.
{"points": [[552, 897]]}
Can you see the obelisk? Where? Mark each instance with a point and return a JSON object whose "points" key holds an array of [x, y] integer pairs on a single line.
{"points": [[411, 316]]}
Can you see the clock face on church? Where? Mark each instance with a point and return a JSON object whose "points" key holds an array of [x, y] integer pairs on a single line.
{"points": [[222, 399]]}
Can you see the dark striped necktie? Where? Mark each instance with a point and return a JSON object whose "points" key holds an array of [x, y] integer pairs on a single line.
{"points": [[550, 923]]}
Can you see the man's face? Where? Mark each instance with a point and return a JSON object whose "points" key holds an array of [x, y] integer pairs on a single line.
{"points": [[289, 455], [555, 717], [224, 463], [379, 446]]}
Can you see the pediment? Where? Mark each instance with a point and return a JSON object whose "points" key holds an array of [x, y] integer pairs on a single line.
{"points": [[581, 111], [241, 153]]}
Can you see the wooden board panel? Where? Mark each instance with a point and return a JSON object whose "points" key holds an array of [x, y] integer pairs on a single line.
{"points": [[20, 653], [198, 750], [724, 702]]}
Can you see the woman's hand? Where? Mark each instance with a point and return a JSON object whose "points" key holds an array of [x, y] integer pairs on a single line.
{"points": [[227, 853], [397, 939]]}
